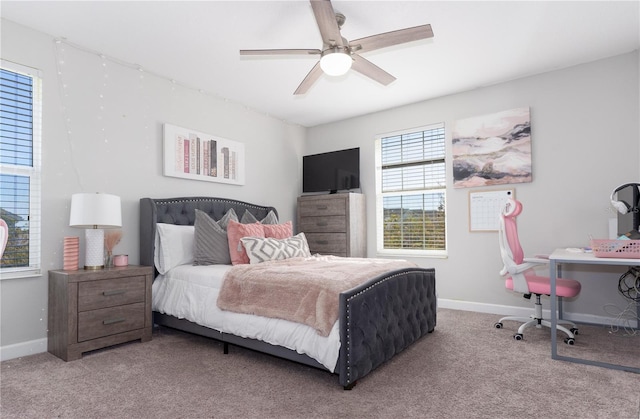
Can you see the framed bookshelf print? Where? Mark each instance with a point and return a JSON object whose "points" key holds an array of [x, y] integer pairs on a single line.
{"points": [[195, 155]]}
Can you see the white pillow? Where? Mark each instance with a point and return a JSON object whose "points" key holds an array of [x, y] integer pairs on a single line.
{"points": [[263, 249], [174, 246]]}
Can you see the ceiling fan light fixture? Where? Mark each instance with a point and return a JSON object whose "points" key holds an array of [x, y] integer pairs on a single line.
{"points": [[335, 61]]}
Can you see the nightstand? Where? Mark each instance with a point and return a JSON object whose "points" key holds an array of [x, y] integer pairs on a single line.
{"points": [[90, 310]]}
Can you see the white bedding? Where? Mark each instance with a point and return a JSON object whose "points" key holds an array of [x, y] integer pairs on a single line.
{"points": [[191, 292]]}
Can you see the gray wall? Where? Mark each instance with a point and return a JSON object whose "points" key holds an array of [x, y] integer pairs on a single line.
{"points": [[585, 142], [115, 146]]}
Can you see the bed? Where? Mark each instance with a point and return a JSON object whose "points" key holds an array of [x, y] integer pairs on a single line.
{"points": [[376, 319]]}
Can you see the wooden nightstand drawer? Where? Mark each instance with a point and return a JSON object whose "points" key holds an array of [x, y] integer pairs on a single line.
{"points": [[319, 208], [323, 224], [110, 292], [110, 321]]}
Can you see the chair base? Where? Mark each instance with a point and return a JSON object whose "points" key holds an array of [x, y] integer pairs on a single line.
{"points": [[537, 321]]}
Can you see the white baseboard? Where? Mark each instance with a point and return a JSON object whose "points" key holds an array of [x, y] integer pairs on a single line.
{"points": [[23, 349], [525, 312], [40, 345]]}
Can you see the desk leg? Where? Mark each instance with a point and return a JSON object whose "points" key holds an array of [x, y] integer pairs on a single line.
{"points": [[553, 276], [554, 318]]}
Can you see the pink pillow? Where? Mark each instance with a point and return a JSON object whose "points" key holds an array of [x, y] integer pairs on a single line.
{"points": [[278, 231], [236, 231]]}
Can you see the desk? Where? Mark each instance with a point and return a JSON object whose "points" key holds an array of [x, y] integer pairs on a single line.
{"points": [[562, 256]]}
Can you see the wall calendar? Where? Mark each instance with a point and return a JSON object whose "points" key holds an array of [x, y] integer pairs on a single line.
{"points": [[485, 208]]}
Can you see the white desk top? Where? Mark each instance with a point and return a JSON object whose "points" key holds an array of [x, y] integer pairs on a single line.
{"points": [[564, 255]]}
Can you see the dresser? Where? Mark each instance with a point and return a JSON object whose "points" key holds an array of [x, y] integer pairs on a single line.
{"points": [[334, 224], [94, 309]]}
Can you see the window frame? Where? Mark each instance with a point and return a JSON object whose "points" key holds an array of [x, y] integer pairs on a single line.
{"points": [[34, 173], [380, 195]]}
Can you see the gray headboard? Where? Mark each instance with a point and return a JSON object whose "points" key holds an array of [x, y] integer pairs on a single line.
{"points": [[181, 211]]}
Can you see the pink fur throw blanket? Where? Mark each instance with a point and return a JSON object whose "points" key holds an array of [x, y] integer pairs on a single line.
{"points": [[302, 290]]}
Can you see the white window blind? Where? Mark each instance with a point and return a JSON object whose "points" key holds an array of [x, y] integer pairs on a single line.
{"points": [[20, 168], [410, 186]]}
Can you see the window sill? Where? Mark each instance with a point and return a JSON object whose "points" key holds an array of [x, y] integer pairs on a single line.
{"points": [[27, 273], [413, 254]]}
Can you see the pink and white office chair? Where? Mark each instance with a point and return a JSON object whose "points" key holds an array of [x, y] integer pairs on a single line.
{"points": [[4, 236], [521, 277]]}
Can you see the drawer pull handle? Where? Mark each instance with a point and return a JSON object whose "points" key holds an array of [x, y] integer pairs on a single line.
{"points": [[323, 242], [322, 207], [112, 321], [113, 292], [322, 224]]}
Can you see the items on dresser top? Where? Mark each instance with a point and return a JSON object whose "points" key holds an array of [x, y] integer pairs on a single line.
{"points": [[334, 224], [91, 310]]}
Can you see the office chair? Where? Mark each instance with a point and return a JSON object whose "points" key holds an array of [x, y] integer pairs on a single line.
{"points": [[521, 277], [4, 236]]}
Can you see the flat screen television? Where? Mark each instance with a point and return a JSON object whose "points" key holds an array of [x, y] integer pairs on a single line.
{"points": [[331, 172]]}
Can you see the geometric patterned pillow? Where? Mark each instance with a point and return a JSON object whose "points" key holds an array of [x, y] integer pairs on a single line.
{"points": [[264, 249], [211, 246]]}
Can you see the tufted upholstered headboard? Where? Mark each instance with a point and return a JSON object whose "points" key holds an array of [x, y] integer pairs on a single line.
{"points": [[181, 211]]}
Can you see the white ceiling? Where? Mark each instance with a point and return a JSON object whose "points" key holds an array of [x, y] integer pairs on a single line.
{"points": [[476, 43]]}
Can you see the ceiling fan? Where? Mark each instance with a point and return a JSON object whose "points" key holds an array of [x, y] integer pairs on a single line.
{"points": [[338, 55]]}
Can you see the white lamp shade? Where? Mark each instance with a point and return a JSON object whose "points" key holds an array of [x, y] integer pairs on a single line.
{"points": [[95, 210], [335, 63]]}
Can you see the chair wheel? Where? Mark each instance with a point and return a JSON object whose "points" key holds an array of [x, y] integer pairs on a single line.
{"points": [[574, 330], [498, 325], [570, 341], [518, 336]]}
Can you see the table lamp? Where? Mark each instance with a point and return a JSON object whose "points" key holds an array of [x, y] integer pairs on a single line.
{"points": [[95, 212]]}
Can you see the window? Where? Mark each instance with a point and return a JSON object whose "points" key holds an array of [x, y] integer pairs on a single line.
{"points": [[410, 192], [20, 168]]}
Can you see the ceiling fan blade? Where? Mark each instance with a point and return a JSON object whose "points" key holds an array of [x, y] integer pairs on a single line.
{"points": [[308, 81], [388, 39], [327, 23], [369, 69], [279, 51]]}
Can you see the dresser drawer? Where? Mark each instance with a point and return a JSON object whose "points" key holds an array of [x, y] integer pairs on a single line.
{"points": [[323, 224], [319, 208], [110, 292], [109, 321], [333, 243]]}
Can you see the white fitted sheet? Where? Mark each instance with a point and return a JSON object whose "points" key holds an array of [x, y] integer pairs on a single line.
{"points": [[191, 292]]}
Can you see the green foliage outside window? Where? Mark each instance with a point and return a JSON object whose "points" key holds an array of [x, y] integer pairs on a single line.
{"points": [[414, 229]]}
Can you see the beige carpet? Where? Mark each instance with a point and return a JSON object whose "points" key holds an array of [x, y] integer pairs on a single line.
{"points": [[465, 369]]}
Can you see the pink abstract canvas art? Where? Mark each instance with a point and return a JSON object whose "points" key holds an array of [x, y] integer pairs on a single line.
{"points": [[492, 149]]}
